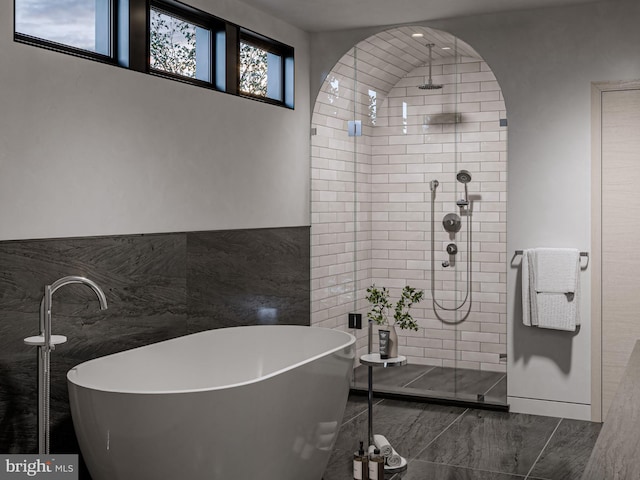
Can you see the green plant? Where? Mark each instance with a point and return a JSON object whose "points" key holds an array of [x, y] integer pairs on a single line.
{"points": [[381, 306]]}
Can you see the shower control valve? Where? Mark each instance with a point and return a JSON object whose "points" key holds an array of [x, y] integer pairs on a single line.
{"points": [[452, 249], [451, 223]]}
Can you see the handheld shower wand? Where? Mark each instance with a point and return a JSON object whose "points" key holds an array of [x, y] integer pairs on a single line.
{"points": [[464, 177]]}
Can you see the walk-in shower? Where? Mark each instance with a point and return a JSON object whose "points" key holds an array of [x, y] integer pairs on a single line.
{"points": [[417, 196]]}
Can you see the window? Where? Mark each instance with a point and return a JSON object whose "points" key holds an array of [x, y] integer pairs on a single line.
{"points": [[373, 106], [254, 67], [76, 25], [179, 47], [162, 37], [266, 69]]}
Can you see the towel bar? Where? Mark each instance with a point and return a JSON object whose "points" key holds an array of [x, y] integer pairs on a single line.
{"points": [[582, 254]]}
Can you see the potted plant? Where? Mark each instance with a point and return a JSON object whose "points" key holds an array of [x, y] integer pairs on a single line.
{"points": [[381, 308]]}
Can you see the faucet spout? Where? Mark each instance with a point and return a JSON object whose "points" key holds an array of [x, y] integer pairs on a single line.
{"points": [[90, 283], [45, 305]]}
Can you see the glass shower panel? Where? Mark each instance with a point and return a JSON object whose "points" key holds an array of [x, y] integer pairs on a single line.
{"points": [[394, 157]]}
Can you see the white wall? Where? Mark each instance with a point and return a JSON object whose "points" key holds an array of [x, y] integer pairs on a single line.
{"points": [[92, 149], [545, 61]]}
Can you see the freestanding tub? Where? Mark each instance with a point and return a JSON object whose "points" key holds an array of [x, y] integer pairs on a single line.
{"points": [[242, 403]]}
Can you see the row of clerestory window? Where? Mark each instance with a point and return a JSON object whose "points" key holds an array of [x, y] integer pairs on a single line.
{"points": [[165, 38]]}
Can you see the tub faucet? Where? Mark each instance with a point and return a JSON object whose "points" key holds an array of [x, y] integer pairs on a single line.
{"points": [[45, 305], [45, 344]]}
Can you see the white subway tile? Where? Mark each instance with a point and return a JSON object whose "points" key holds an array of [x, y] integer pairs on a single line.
{"points": [[481, 357], [481, 337]]}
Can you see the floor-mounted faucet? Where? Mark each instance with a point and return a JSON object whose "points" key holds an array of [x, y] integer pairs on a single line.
{"points": [[46, 342]]}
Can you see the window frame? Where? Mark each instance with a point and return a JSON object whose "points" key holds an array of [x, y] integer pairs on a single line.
{"points": [[194, 17], [271, 46], [111, 58]]}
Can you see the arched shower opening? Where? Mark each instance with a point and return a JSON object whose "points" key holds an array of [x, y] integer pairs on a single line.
{"points": [[394, 159]]}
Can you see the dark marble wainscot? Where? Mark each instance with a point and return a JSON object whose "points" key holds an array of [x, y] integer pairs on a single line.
{"points": [[248, 277], [158, 286]]}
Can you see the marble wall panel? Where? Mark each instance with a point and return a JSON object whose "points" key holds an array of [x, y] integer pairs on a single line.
{"points": [[248, 277]]}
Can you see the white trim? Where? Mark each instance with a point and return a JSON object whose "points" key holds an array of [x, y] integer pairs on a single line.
{"points": [[549, 408]]}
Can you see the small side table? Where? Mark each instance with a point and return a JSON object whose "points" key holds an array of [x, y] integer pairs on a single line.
{"points": [[374, 360]]}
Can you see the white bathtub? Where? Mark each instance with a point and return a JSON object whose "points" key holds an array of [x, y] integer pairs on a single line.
{"points": [[259, 402]]}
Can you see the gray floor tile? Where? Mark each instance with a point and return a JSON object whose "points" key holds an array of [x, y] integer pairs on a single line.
{"points": [[498, 392], [357, 405], [408, 426], [340, 466], [451, 443], [493, 441], [418, 470], [566, 455]]}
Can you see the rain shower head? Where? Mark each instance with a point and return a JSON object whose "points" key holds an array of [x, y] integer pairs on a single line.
{"points": [[463, 176], [430, 85]]}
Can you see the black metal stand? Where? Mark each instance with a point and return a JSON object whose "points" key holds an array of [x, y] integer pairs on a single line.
{"points": [[374, 360]]}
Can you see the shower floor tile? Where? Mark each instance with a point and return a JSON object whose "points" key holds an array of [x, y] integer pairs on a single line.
{"points": [[458, 381], [445, 382], [389, 377]]}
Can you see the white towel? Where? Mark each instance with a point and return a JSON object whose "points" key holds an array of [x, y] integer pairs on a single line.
{"points": [[383, 445], [558, 311], [550, 288], [529, 305], [556, 270], [394, 460]]}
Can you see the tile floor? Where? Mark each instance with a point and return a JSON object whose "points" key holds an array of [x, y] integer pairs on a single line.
{"points": [[457, 443]]}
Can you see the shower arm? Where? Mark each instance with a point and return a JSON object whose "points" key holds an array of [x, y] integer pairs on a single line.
{"points": [[430, 62]]}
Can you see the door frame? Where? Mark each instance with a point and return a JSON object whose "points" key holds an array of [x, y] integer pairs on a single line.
{"points": [[597, 90]]}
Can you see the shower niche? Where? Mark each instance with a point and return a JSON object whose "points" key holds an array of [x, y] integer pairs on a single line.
{"points": [[417, 198]]}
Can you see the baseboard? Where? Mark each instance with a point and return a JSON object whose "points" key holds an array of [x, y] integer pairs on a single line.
{"points": [[550, 408]]}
